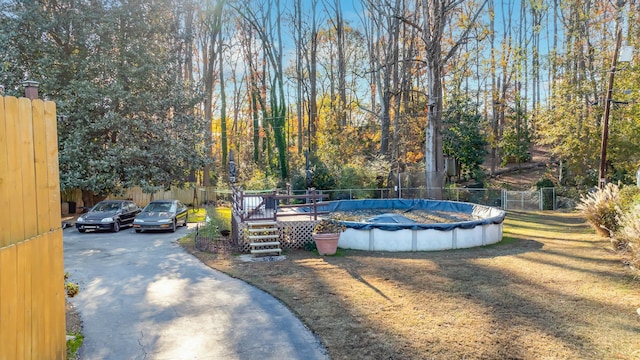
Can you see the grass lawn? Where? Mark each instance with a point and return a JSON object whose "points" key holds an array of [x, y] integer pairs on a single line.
{"points": [[197, 215], [551, 290]]}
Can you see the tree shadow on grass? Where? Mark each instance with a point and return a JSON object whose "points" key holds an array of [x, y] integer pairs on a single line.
{"points": [[521, 288]]}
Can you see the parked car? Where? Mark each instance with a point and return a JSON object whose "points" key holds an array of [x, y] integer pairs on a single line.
{"points": [[108, 215], [161, 215]]}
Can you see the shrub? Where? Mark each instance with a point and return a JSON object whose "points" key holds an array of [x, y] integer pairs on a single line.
{"points": [[328, 226], [462, 137], [627, 199], [310, 246], [480, 176], [352, 177], [514, 146], [319, 175], [218, 219], [260, 181], [547, 195], [71, 288], [73, 345], [628, 235], [544, 183], [600, 210]]}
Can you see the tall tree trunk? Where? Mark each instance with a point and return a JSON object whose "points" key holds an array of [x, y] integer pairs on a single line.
{"points": [[434, 156], [213, 25], [254, 93], [271, 96], [223, 108], [495, 99], [435, 15], [313, 83], [188, 47], [281, 107], [208, 107], [342, 88], [299, 74]]}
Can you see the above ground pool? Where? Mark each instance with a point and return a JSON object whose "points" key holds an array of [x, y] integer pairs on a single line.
{"points": [[392, 231]]}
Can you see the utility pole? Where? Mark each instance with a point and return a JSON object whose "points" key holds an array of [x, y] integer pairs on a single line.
{"points": [[607, 110]]}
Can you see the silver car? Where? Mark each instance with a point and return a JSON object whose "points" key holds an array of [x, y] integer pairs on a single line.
{"points": [[161, 215]]}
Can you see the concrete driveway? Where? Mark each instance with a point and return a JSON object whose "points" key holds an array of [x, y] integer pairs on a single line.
{"points": [[143, 297]]}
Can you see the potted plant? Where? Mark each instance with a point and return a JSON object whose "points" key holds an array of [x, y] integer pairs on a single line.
{"points": [[326, 234]]}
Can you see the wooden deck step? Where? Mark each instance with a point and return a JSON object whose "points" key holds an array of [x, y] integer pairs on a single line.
{"points": [[251, 230], [262, 223], [265, 251], [263, 237], [268, 243]]}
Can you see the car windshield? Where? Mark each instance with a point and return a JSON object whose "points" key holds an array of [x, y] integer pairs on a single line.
{"points": [[159, 207], [107, 207]]}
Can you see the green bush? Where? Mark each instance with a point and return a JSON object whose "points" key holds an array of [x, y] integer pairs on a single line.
{"points": [[71, 288], [462, 137], [319, 175], [547, 194], [628, 236], [73, 345], [261, 181], [218, 219], [601, 210], [480, 176], [629, 230], [514, 146], [627, 199], [544, 183]]}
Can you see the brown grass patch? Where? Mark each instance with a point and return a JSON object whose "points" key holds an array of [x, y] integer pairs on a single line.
{"points": [[551, 290]]}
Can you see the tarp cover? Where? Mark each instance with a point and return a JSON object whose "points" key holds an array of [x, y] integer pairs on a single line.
{"points": [[487, 214], [390, 218]]}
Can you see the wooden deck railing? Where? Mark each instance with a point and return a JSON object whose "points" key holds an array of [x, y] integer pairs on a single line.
{"points": [[271, 206]]}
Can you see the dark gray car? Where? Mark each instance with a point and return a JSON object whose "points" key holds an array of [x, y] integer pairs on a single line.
{"points": [[161, 215], [108, 215]]}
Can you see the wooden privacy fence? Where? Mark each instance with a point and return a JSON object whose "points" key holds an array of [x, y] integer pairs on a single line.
{"points": [[197, 196], [32, 298]]}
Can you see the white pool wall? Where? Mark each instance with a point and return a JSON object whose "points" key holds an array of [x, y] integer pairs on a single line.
{"points": [[441, 237], [420, 240]]}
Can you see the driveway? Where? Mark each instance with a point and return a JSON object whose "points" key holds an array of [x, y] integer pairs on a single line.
{"points": [[143, 297]]}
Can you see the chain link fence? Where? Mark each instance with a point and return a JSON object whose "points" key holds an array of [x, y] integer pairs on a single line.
{"points": [[542, 199]]}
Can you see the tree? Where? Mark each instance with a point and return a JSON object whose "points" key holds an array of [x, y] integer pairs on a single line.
{"points": [[571, 125], [267, 27], [210, 43], [462, 136], [383, 34], [127, 116], [435, 16]]}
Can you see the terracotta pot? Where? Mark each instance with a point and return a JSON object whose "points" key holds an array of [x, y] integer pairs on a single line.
{"points": [[327, 244]]}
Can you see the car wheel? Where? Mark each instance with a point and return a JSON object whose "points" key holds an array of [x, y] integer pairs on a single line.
{"points": [[174, 225], [116, 226], [81, 230], [138, 230]]}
